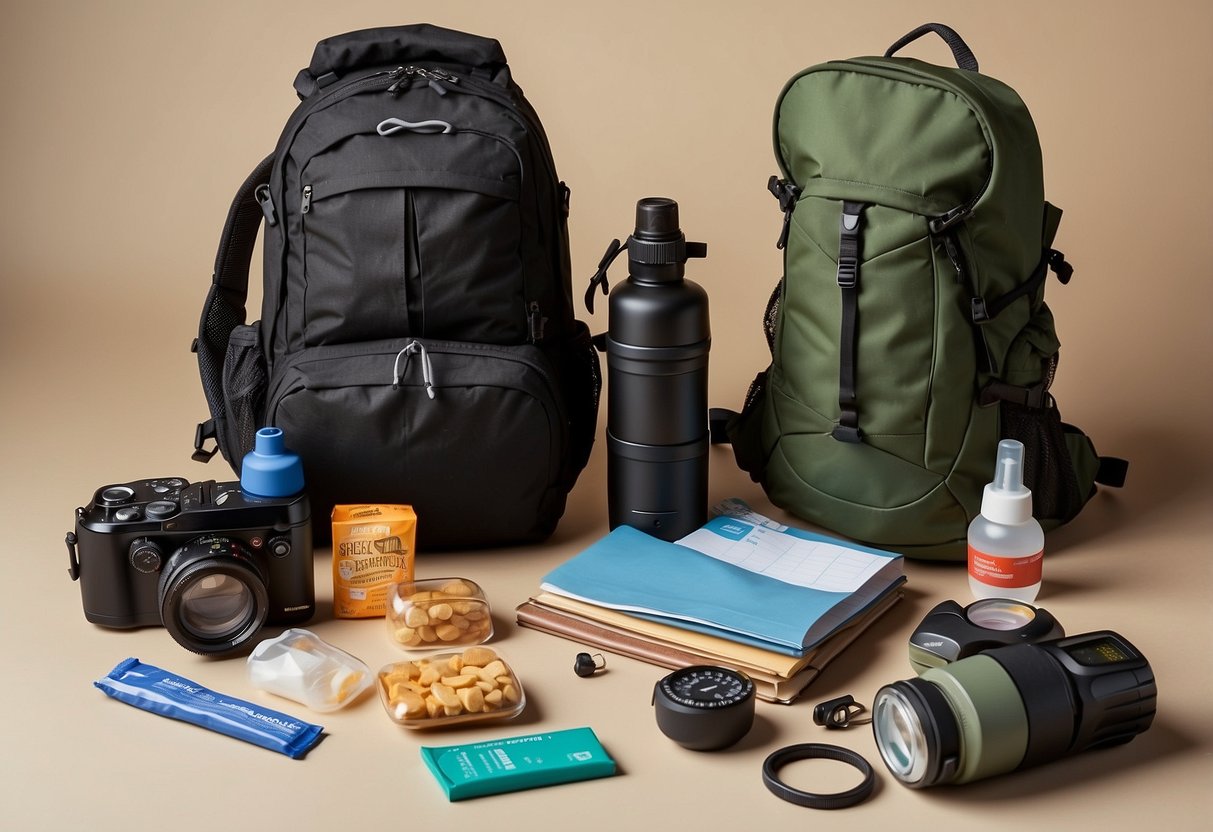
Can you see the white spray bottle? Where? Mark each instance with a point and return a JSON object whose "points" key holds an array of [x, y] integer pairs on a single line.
{"points": [[1006, 544]]}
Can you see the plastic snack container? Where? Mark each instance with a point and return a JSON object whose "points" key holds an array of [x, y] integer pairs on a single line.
{"points": [[438, 613], [455, 688], [306, 669]]}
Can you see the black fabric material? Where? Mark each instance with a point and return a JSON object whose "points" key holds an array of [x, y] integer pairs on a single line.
{"points": [[482, 463], [420, 42], [960, 50], [405, 265]]}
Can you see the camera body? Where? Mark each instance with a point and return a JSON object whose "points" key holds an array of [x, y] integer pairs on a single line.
{"points": [[209, 561]]}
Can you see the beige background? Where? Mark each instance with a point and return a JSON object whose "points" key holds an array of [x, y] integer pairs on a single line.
{"points": [[128, 125]]}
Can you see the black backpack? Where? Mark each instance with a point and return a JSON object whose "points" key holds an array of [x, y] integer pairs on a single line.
{"points": [[417, 342]]}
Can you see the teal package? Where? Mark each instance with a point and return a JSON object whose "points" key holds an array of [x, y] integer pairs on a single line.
{"points": [[515, 763]]}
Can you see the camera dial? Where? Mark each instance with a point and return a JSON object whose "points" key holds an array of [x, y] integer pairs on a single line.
{"points": [[213, 596], [159, 509], [146, 556], [116, 495]]}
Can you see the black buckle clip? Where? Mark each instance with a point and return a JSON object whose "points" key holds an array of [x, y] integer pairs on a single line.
{"points": [[1063, 270], [839, 713], [848, 272], [940, 224], [600, 277], [204, 431], [978, 312], [846, 433]]}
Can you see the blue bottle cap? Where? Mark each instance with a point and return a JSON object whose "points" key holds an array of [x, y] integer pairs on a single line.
{"points": [[270, 470]]}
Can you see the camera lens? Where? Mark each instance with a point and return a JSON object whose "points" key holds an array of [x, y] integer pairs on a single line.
{"points": [[213, 597], [1013, 707], [917, 733], [212, 606]]}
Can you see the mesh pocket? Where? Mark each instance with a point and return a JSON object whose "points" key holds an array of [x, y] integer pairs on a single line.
{"points": [[1048, 469], [244, 388], [770, 318]]}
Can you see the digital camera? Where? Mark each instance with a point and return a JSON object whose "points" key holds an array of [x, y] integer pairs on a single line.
{"points": [[209, 561]]}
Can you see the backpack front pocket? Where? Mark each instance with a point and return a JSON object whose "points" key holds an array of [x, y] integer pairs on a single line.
{"points": [[416, 236], [480, 461]]}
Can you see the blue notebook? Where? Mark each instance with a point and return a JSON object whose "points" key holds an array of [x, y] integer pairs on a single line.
{"points": [[771, 586]]}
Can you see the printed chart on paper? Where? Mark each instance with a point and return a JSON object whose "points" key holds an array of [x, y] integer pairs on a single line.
{"points": [[767, 549]]}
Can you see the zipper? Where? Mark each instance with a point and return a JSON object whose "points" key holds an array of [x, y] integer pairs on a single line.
{"points": [[404, 76], [288, 381], [306, 205], [437, 80]]}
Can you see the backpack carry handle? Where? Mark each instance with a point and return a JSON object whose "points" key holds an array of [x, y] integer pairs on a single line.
{"points": [[337, 56], [960, 50]]}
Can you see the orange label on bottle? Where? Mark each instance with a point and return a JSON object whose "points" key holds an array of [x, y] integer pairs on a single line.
{"points": [[1011, 573]]}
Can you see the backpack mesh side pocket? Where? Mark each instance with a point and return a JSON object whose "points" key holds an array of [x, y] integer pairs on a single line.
{"points": [[244, 389], [1048, 470]]}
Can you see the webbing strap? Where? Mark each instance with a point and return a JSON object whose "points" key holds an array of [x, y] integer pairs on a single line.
{"points": [[224, 309], [849, 235]]}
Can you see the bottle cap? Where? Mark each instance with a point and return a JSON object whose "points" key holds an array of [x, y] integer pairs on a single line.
{"points": [[1006, 500], [657, 219], [270, 470]]}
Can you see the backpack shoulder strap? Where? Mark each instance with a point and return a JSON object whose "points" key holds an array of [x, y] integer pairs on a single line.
{"points": [[224, 309]]}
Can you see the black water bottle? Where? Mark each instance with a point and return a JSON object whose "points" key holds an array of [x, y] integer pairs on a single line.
{"points": [[657, 379]]}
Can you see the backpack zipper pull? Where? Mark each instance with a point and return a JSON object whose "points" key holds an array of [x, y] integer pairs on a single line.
{"points": [[412, 348], [536, 322], [306, 205], [787, 194], [400, 78], [953, 250]]}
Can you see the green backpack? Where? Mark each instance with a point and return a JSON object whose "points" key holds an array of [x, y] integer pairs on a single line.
{"points": [[909, 332]]}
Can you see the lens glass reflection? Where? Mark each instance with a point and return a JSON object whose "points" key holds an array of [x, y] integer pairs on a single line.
{"points": [[216, 606], [1000, 614], [900, 737]]}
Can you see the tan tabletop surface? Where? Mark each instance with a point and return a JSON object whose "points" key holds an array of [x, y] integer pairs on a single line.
{"points": [[127, 126]]}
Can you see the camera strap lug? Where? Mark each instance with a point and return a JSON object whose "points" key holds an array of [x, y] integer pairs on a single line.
{"points": [[73, 560]]}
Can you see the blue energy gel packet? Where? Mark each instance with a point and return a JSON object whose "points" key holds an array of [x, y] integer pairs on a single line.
{"points": [[160, 692]]}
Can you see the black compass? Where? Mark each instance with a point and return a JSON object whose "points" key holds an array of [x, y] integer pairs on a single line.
{"points": [[704, 708]]}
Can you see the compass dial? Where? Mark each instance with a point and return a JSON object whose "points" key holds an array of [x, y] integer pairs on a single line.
{"points": [[708, 687], [703, 707]]}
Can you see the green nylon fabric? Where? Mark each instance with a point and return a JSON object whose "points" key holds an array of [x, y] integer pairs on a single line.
{"points": [[912, 141]]}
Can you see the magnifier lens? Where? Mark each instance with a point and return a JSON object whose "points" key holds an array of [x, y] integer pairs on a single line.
{"points": [[1000, 614]]}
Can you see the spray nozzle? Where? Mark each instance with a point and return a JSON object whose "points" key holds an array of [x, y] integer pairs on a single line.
{"points": [[1008, 473], [1006, 499]]}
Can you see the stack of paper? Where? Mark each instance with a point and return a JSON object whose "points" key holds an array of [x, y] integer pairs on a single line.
{"points": [[775, 602]]}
